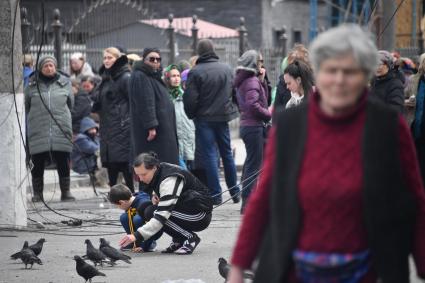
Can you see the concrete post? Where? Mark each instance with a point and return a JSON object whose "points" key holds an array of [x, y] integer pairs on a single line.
{"points": [[57, 34], [171, 40], [12, 153], [194, 34], [388, 35]]}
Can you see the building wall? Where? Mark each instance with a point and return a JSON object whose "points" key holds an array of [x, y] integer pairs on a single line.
{"points": [[221, 12], [294, 15], [261, 17], [404, 23]]}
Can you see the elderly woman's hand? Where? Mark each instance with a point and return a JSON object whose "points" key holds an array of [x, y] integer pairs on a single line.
{"points": [[235, 275]]}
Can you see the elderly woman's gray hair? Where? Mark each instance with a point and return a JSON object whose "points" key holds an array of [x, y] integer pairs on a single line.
{"points": [[345, 40]]}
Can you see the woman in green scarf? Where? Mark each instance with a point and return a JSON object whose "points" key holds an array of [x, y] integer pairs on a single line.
{"points": [[185, 126]]}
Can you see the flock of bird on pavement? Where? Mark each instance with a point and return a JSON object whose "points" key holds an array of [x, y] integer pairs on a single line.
{"points": [[106, 254]]}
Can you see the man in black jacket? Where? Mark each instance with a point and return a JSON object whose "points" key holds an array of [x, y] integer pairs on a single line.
{"points": [[184, 205], [209, 101]]}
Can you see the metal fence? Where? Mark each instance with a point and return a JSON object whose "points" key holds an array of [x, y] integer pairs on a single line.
{"points": [[61, 41]]}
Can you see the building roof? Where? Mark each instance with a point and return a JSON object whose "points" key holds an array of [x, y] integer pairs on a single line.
{"points": [[184, 27]]}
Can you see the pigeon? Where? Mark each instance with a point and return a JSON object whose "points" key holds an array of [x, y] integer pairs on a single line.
{"points": [[224, 268], [37, 247], [28, 257], [112, 253], [86, 270], [17, 255], [93, 254]]}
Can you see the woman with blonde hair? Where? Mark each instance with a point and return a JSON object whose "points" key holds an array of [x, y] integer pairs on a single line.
{"points": [[111, 102]]}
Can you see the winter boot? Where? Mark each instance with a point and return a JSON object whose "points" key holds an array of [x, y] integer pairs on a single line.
{"points": [[236, 195], [37, 186], [243, 204], [64, 184]]}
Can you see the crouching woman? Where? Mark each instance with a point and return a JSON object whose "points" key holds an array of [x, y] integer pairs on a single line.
{"points": [[184, 205]]}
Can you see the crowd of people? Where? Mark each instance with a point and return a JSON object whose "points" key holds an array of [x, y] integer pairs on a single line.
{"points": [[327, 142]]}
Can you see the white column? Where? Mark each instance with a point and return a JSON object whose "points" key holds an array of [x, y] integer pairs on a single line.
{"points": [[12, 152]]}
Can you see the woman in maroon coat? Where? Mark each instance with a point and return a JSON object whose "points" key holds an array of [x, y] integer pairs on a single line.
{"points": [[340, 198]]}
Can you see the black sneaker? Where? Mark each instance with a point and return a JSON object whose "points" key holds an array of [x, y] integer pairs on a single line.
{"points": [[174, 246], [189, 246]]}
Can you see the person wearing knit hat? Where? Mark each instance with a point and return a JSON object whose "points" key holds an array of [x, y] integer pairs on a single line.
{"points": [[205, 46], [149, 50], [386, 58], [46, 139], [209, 101], [386, 86], [45, 59], [252, 94]]}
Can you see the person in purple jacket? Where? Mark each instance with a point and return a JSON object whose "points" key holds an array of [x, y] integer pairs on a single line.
{"points": [[252, 94]]}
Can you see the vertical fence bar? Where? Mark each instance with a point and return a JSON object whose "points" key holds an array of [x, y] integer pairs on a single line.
{"points": [[242, 31], [57, 34], [25, 28], [194, 34], [171, 40]]}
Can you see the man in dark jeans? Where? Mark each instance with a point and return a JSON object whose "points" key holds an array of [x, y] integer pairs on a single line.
{"points": [[210, 102]]}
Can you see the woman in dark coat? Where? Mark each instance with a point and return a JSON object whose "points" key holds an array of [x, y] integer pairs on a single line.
{"points": [[111, 103], [153, 121], [387, 86]]}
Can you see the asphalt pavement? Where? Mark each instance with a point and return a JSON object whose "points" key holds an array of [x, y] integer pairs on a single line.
{"points": [[100, 219]]}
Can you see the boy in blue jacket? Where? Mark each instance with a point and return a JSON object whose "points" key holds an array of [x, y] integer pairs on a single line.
{"points": [[86, 144], [134, 205]]}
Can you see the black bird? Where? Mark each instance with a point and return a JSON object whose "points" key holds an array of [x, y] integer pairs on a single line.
{"points": [[17, 255], [224, 268], [93, 254], [86, 270], [37, 247], [112, 253], [28, 257]]}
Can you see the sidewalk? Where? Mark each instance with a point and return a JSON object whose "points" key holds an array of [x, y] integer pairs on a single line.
{"points": [[57, 256]]}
